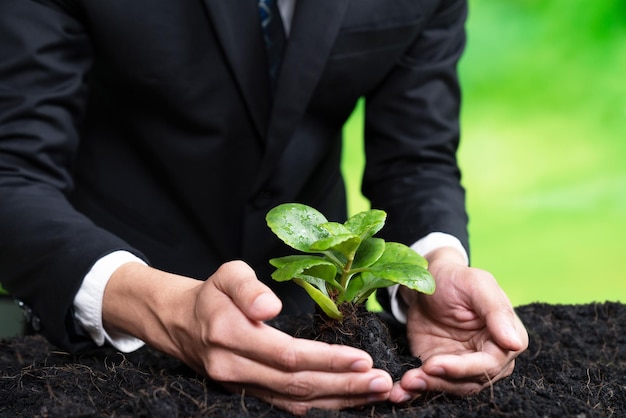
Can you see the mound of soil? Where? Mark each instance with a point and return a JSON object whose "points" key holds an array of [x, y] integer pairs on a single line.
{"points": [[575, 367], [379, 335]]}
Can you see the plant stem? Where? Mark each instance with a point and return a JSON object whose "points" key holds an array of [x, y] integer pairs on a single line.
{"points": [[346, 273]]}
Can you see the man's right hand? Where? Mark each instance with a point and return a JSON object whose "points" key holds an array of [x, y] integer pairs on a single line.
{"points": [[216, 327]]}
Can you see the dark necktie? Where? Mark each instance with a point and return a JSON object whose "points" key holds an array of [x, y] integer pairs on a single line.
{"points": [[274, 37]]}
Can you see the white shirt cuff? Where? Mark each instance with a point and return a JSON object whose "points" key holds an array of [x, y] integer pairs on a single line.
{"points": [[423, 246], [88, 302]]}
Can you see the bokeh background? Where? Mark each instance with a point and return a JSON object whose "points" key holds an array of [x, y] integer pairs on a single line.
{"points": [[543, 148]]}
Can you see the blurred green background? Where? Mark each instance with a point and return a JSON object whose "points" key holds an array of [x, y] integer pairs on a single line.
{"points": [[543, 147]]}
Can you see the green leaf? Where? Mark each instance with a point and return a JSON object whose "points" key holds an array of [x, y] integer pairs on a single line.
{"points": [[349, 256], [297, 225], [320, 284], [281, 261], [294, 266], [335, 228], [409, 275], [373, 284], [369, 252], [338, 242], [364, 284], [400, 253], [325, 303], [366, 224]]}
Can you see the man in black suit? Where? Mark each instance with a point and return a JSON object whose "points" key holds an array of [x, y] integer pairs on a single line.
{"points": [[142, 143]]}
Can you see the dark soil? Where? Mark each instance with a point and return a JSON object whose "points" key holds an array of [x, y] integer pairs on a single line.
{"points": [[361, 329], [575, 367]]}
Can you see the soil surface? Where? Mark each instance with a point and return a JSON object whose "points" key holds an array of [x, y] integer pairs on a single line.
{"points": [[575, 367]]}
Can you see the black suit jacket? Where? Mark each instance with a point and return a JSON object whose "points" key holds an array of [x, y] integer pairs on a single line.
{"points": [[146, 125]]}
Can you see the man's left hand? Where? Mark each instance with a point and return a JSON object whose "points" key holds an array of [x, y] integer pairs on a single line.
{"points": [[466, 333]]}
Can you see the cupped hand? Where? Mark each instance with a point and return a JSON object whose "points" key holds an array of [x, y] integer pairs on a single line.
{"points": [[466, 333], [227, 340]]}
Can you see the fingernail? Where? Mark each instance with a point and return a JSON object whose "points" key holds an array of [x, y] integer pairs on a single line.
{"points": [[262, 301], [360, 366], [436, 371], [417, 385], [379, 384]]}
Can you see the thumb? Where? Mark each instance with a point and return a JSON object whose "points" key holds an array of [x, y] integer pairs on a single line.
{"points": [[237, 280]]}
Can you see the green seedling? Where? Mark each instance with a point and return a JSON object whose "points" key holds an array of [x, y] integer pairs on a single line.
{"points": [[343, 262]]}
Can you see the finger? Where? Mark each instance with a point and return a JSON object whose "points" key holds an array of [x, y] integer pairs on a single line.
{"points": [[298, 392], [507, 329], [474, 366], [411, 389], [276, 349], [492, 304], [465, 379], [297, 407], [238, 281], [307, 385]]}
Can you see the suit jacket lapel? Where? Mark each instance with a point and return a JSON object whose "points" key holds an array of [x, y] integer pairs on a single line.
{"points": [[238, 28], [313, 32]]}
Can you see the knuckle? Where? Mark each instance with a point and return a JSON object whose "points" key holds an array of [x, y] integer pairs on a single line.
{"points": [[217, 370], [351, 389], [333, 363], [299, 388], [235, 268], [215, 334], [298, 408], [288, 357], [209, 332], [347, 403], [239, 277], [217, 374]]}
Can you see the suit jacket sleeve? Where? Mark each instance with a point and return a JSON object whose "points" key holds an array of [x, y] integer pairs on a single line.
{"points": [[412, 135], [46, 247]]}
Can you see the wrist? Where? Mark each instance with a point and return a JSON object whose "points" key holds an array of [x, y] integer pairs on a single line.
{"points": [[149, 304], [440, 260], [448, 255]]}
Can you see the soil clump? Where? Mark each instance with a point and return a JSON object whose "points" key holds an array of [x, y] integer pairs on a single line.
{"points": [[376, 334]]}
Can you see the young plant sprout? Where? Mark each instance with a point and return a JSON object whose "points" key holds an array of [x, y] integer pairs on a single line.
{"points": [[343, 262]]}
